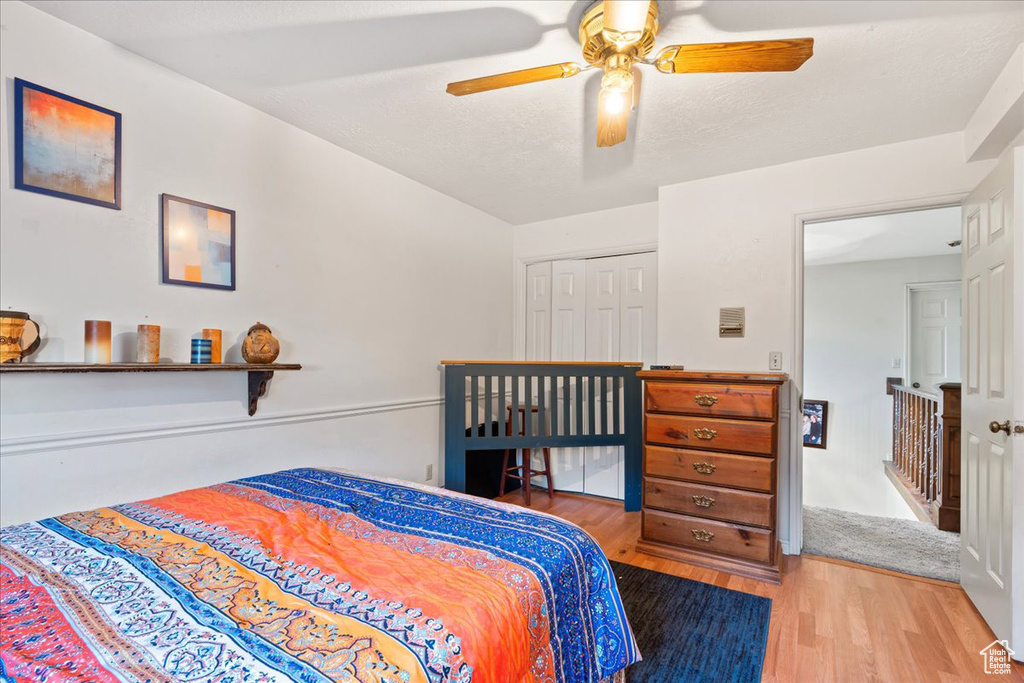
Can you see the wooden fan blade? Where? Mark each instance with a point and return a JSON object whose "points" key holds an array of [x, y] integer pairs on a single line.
{"points": [[507, 80], [752, 55]]}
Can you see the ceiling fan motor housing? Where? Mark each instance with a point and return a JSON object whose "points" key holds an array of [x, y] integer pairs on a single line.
{"points": [[598, 48]]}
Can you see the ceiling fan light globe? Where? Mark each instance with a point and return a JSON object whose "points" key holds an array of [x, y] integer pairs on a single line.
{"points": [[626, 17], [620, 80], [613, 102]]}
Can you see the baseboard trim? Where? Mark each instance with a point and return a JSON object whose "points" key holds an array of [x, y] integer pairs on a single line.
{"points": [[102, 437]]}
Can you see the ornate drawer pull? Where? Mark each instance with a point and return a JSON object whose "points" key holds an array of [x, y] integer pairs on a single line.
{"points": [[702, 535], [704, 467], [705, 400], [705, 434], [703, 501]]}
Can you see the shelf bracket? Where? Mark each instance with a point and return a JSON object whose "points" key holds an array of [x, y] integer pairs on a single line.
{"points": [[257, 387]]}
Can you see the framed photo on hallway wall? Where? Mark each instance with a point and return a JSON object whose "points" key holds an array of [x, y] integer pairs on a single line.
{"points": [[815, 423]]}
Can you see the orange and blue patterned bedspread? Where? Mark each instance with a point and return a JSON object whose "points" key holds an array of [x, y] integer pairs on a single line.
{"points": [[309, 575]]}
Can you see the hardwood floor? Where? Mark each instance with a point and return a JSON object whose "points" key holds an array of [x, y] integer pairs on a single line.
{"points": [[831, 621]]}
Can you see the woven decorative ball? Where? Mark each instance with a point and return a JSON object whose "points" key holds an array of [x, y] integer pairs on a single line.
{"points": [[259, 345]]}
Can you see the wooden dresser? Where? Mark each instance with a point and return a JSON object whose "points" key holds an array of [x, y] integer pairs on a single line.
{"points": [[710, 469]]}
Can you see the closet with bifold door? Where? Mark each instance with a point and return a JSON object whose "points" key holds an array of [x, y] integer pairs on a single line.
{"points": [[597, 309]]}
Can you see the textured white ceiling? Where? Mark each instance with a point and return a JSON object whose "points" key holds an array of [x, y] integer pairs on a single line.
{"points": [[873, 238], [370, 77]]}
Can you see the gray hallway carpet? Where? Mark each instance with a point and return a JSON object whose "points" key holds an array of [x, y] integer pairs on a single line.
{"points": [[902, 545]]}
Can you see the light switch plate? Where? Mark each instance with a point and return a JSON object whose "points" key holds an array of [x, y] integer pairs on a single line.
{"points": [[897, 362], [430, 472], [775, 360]]}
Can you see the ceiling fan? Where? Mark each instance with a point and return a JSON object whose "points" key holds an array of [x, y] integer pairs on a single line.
{"points": [[617, 36]]}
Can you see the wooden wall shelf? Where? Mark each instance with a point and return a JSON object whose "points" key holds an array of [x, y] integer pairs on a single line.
{"points": [[259, 374]]}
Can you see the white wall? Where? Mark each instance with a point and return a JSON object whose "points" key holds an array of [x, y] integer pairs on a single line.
{"points": [[367, 277], [854, 325], [731, 241], [602, 232], [622, 230]]}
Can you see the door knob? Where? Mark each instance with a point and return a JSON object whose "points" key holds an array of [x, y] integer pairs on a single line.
{"points": [[916, 385], [996, 427]]}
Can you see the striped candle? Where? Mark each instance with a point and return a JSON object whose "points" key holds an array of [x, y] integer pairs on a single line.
{"points": [[97, 342], [201, 351]]}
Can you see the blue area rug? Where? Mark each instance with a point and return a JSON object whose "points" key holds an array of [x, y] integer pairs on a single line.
{"points": [[692, 631]]}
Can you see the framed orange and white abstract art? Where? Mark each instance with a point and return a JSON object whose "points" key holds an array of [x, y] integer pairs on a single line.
{"points": [[198, 243], [66, 147]]}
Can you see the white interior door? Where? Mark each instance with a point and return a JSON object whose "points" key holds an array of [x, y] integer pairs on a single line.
{"points": [[638, 307], [602, 309], [568, 343], [538, 311], [934, 335], [621, 326], [602, 470], [568, 310], [988, 499]]}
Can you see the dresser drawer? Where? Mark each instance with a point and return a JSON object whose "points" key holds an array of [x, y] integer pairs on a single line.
{"points": [[708, 535], [722, 400], [730, 505], [746, 436], [720, 469]]}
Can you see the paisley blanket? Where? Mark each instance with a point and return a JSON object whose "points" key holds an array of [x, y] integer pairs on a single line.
{"points": [[309, 575]]}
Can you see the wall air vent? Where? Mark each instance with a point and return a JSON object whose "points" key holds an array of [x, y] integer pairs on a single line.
{"points": [[731, 322]]}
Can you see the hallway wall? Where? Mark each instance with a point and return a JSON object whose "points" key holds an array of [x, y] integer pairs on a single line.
{"points": [[854, 325]]}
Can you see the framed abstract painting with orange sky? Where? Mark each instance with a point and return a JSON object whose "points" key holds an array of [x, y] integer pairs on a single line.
{"points": [[66, 147], [198, 243]]}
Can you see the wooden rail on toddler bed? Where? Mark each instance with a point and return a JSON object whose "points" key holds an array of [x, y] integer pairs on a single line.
{"points": [[577, 405]]}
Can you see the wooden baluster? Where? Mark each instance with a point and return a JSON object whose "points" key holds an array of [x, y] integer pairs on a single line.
{"points": [[926, 405], [933, 473], [933, 441], [915, 433], [895, 427], [905, 434], [921, 419], [916, 443], [909, 437]]}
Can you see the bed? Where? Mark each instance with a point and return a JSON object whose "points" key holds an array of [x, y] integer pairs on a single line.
{"points": [[309, 575]]}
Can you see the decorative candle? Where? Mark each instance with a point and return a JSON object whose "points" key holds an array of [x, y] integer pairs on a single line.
{"points": [[201, 351], [147, 349], [214, 337], [97, 341]]}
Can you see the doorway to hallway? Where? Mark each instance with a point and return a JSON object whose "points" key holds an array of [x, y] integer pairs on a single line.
{"points": [[881, 314]]}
